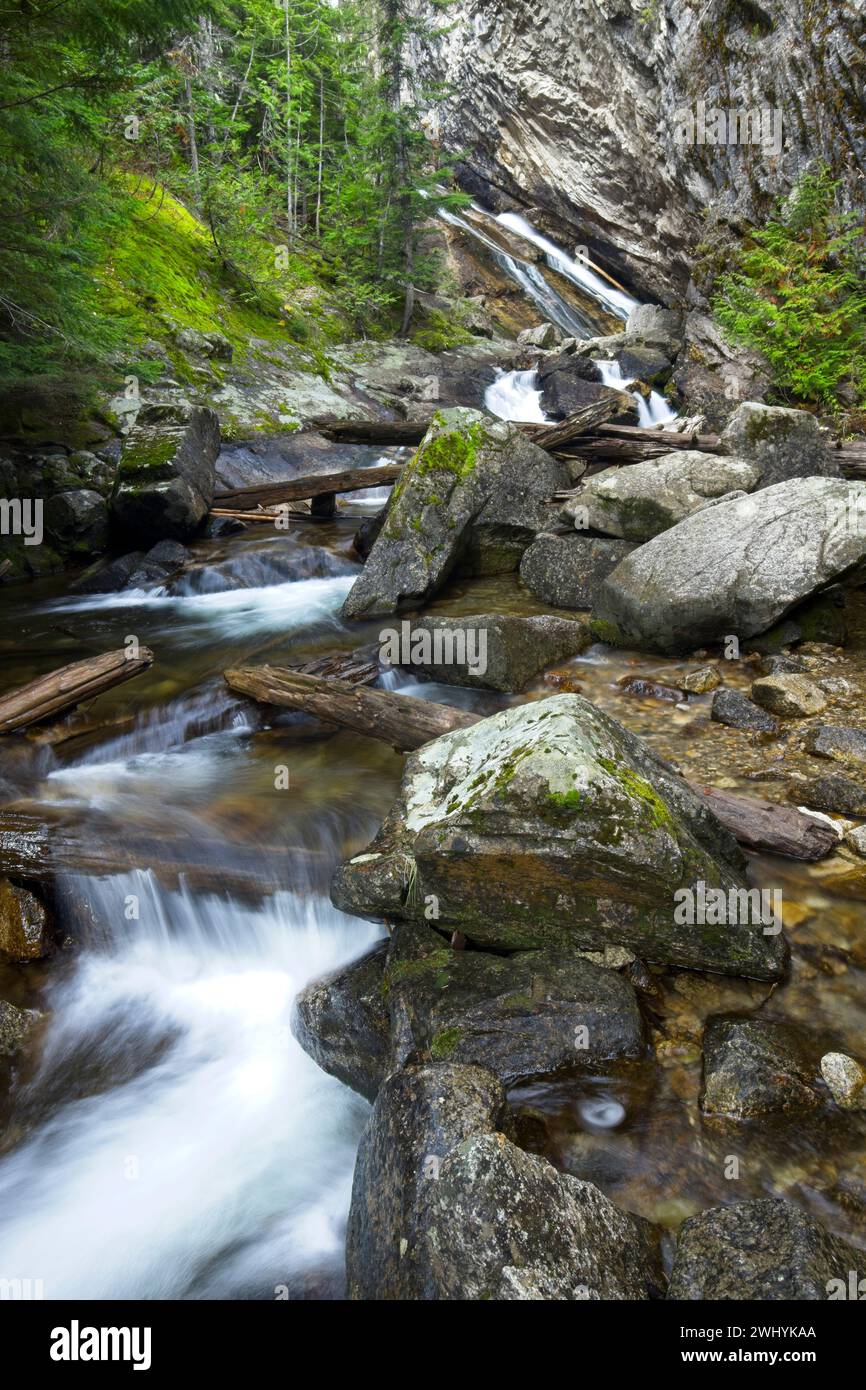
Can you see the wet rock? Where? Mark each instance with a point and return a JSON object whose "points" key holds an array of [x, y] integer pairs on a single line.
{"points": [[171, 554], [755, 1066], [469, 471], [365, 537], [342, 1022], [489, 651], [644, 364], [782, 444], [107, 577], [734, 709], [820, 619], [644, 689], [782, 666], [15, 1025], [566, 388], [545, 335], [837, 794], [856, 839], [702, 681], [24, 929], [566, 571], [493, 550], [734, 568], [551, 825], [420, 1115], [505, 1225], [842, 745], [647, 498], [790, 696], [166, 479], [765, 1250], [846, 1080], [77, 521]]}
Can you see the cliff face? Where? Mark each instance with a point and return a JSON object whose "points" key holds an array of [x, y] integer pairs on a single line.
{"points": [[573, 108]]}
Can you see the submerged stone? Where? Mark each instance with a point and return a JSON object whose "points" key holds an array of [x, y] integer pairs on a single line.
{"points": [[756, 1066]]}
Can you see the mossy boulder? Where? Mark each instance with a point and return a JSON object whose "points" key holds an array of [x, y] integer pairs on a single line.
{"points": [[550, 825], [780, 443], [165, 481], [470, 471]]}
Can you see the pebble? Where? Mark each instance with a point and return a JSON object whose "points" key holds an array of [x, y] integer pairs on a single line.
{"points": [[846, 1080], [789, 695]]}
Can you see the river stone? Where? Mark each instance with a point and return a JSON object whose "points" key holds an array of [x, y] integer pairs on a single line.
{"points": [[15, 1024], [644, 364], [342, 1022], [755, 1066], [24, 930], [734, 709], [550, 825], [544, 335], [565, 389], [526, 1015], [782, 444], [736, 567], [77, 521], [837, 794], [420, 1115], [470, 470], [846, 1080], [701, 681], [505, 1224], [765, 1250], [566, 571], [166, 478], [516, 648], [790, 696], [841, 744], [646, 498]]}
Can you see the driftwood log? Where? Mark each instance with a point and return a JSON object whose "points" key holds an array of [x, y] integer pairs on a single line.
{"points": [[68, 686], [406, 723], [299, 489]]}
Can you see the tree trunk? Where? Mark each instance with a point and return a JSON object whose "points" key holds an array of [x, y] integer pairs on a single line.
{"points": [[68, 686]]}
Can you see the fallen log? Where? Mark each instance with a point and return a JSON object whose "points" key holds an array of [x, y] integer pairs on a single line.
{"points": [[406, 723], [68, 686], [399, 720], [580, 423], [768, 827], [299, 489]]}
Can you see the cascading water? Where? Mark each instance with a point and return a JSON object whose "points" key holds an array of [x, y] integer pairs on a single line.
{"points": [[653, 411], [617, 301]]}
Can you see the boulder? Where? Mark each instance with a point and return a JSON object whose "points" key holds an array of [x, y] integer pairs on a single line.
{"points": [[342, 1022], [645, 364], [840, 744], [780, 443], [544, 335], [846, 1080], [165, 482], [655, 326], [15, 1024], [550, 825], [566, 571], [566, 388], [764, 1250], [24, 931], [505, 1224], [77, 521], [755, 1066], [734, 709], [420, 1115], [839, 794], [638, 502], [735, 568], [487, 652], [469, 471], [790, 696]]}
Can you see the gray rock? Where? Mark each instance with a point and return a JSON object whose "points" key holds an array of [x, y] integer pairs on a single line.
{"points": [[737, 567], [790, 696], [782, 444], [566, 571], [734, 709], [77, 521], [549, 825], [111, 576], [756, 1066], [342, 1022], [166, 479], [655, 325], [171, 554], [505, 1225], [545, 335], [856, 839], [470, 470], [566, 388], [638, 502], [841, 744], [701, 681], [846, 1080], [420, 1115], [644, 364], [766, 1250], [837, 794], [489, 651]]}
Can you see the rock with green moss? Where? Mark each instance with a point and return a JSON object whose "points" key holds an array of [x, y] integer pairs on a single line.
{"points": [[165, 481], [781, 444], [505, 1225], [492, 651], [550, 825], [736, 568], [470, 471], [637, 503], [420, 1115]]}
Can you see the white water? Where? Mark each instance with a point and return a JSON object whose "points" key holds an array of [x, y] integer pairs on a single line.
{"points": [[653, 413], [515, 396], [221, 1165], [617, 301]]}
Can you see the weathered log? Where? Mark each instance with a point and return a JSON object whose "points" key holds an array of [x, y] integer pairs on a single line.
{"points": [[406, 723], [581, 422], [38, 843], [312, 486], [399, 720], [768, 827], [68, 686], [411, 432]]}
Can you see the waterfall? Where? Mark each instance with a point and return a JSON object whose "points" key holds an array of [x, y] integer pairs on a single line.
{"points": [[617, 301]]}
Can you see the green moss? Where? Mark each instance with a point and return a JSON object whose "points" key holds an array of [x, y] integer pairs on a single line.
{"points": [[571, 800], [638, 787], [600, 630], [444, 1043]]}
